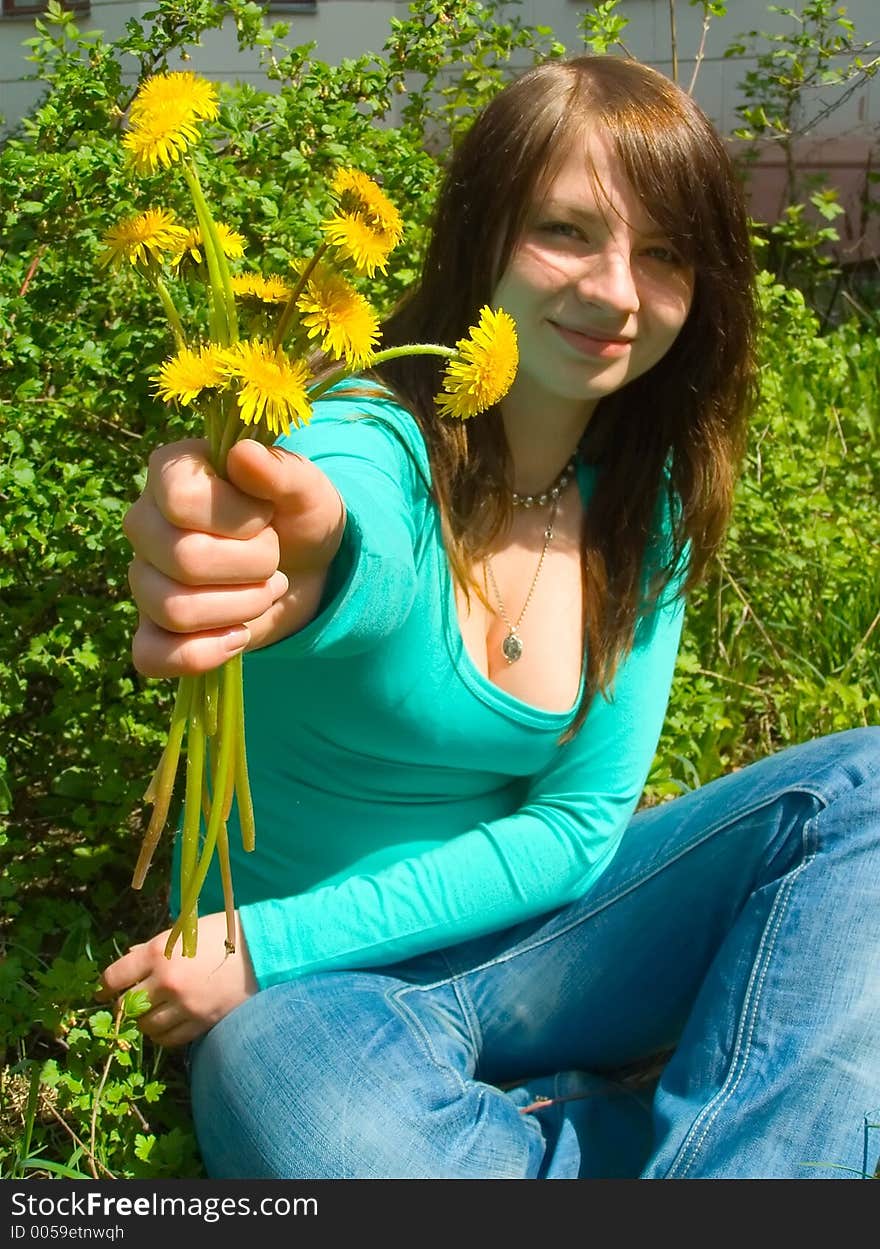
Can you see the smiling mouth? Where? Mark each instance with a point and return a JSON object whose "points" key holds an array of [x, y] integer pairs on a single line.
{"points": [[592, 344]]}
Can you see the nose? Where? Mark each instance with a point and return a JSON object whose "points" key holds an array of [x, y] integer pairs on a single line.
{"points": [[609, 282]]}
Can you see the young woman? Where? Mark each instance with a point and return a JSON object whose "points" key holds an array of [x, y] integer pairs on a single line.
{"points": [[461, 638]]}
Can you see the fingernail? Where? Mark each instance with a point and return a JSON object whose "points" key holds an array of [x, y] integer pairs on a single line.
{"points": [[236, 640], [278, 584]]}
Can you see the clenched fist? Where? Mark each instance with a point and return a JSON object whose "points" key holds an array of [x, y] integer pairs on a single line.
{"points": [[225, 566]]}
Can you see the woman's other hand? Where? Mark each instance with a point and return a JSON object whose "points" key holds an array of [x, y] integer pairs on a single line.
{"points": [[224, 566], [187, 995]]}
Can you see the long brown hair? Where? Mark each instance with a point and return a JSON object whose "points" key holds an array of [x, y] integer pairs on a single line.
{"points": [[672, 437]]}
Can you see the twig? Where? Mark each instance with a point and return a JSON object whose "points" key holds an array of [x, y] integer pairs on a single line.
{"points": [[73, 1136], [673, 41], [102, 420], [859, 80], [701, 51], [836, 415], [745, 602], [860, 646], [743, 685], [32, 270], [863, 312], [93, 1127], [119, 429], [135, 1110]]}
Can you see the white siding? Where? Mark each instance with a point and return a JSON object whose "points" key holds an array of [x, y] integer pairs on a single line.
{"points": [[343, 28], [347, 28]]}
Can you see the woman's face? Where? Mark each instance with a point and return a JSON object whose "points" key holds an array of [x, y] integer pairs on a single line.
{"points": [[597, 292]]}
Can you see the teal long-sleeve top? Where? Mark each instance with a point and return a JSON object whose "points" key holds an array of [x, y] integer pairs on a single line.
{"points": [[404, 802]]}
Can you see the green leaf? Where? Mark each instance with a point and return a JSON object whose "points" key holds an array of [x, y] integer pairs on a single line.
{"points": [[136, 1003]]}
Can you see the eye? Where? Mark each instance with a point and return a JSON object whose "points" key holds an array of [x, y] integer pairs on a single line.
{"points": [[666, 255], [563, 229]]}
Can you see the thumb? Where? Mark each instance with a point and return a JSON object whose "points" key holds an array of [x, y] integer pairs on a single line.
{"points": [[308, 512], [282, 477]]}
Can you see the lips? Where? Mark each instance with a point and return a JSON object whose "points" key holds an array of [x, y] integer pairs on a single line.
{"points": [[599, 338], [589, 342]]}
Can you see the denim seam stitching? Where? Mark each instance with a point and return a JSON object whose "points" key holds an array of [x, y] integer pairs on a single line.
{"points": [[613, 896], [748, 1022], [449, 1073], [466, 1006], [469, 1014]]}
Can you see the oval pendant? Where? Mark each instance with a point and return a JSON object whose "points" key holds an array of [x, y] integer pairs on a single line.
{"points": [[512, 648]]}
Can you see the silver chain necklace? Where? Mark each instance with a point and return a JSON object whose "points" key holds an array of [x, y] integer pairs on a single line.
{"points": [[512, 646]]}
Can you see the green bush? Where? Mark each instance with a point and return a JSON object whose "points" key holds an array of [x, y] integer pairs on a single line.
{"points": [[780, 644]]}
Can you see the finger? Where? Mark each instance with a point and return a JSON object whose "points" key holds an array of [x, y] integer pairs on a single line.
{"points": [[199, 558], [187, 609], [125, 972], [180, 1034], [191, 495], [156, 652], [161, 1019]]}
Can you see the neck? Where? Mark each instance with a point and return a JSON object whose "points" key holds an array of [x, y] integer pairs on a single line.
{"points": [[542, 439]]}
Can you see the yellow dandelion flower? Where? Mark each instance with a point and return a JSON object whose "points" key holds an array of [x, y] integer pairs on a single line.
{"points": [[232, 243], [360, 242], [272, 388], [160, 137], [186, 89], [271, 290], [165, 116], [141, 239], [334, 310], [362, 195], [484, 369], [186, 375]]}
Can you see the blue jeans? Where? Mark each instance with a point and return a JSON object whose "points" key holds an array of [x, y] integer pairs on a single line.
{"points": [[737, 927]]}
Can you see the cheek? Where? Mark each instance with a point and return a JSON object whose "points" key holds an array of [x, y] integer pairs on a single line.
{"points": [[671, 312], [533, 271]]}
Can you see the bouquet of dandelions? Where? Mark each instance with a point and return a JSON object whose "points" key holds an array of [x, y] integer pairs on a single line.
{"points": [[257, 387]]}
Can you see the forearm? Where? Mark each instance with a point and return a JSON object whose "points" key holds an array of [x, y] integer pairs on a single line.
{"points": [[497, 873], [488, 879]]}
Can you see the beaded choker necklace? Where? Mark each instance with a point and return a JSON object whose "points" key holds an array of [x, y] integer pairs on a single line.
{"points": [[553, 491]]}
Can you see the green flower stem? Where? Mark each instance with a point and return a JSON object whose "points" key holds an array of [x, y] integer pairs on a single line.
{"points": [[229, 437], [213, 424], [170, 310], [226, 878], [224, 320], [222, 840], [150, 791], [206, 792], [161, 786], [192, 882], [187, 921], [212, 691], [242, 782], [390, 353], [290, 307], [227, 429]]}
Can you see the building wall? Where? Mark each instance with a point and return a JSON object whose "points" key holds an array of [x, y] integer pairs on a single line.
{"points": [[842, 143]]}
